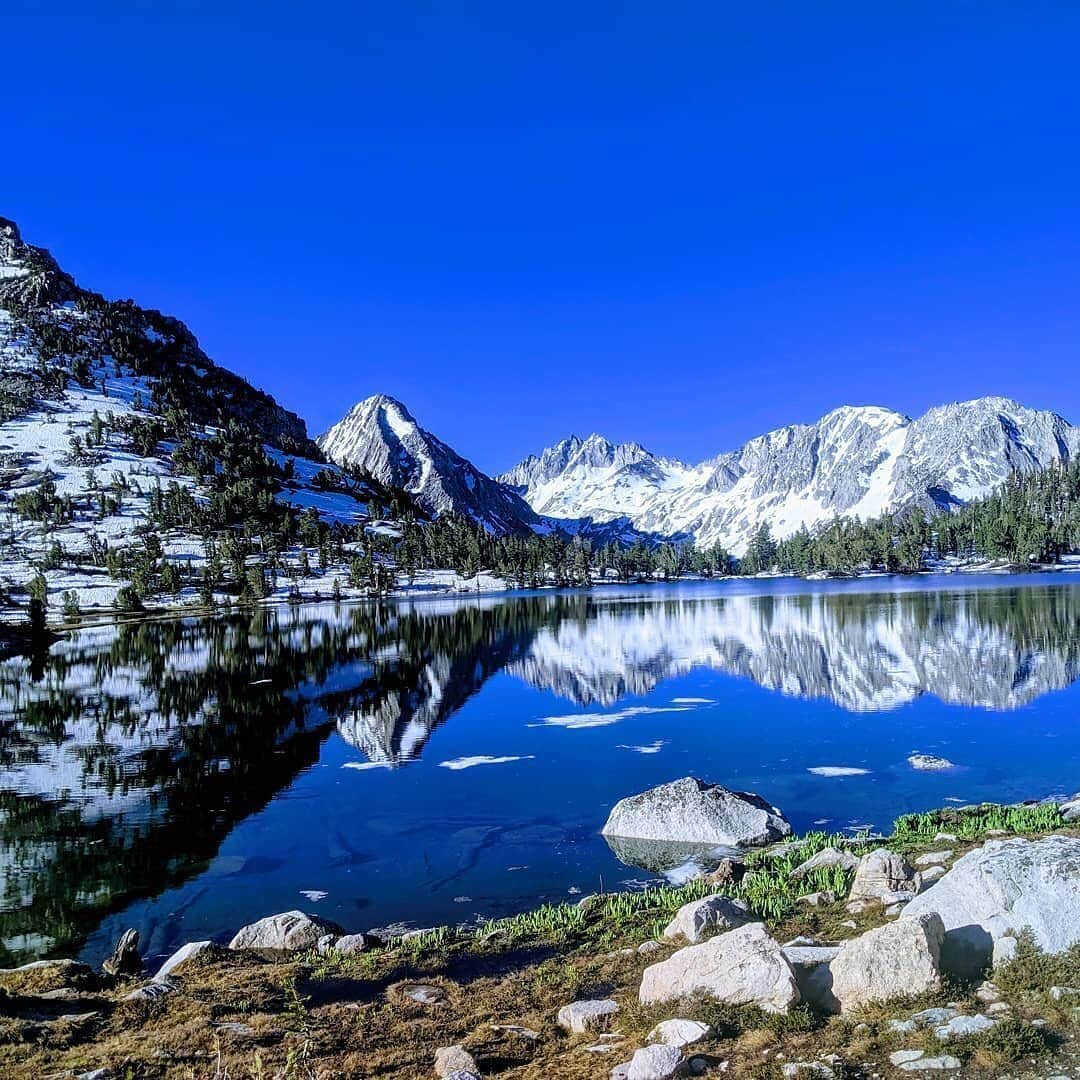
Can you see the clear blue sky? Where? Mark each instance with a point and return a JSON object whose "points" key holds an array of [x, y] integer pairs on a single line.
{"points": [[681, 223]]}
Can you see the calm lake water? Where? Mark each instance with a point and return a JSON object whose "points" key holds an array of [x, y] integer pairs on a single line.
{"points": [[449, 760]]}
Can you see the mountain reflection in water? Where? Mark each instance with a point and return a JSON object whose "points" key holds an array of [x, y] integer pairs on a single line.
{"points": [[129, 753]]}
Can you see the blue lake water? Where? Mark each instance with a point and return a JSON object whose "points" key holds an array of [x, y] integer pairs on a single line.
{"points": [[449, 760]]}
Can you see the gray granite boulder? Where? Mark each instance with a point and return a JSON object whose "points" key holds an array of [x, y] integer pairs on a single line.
{"points": [[692, 811], [289, 930], [710, 915], [991, 894], [743, 966]]}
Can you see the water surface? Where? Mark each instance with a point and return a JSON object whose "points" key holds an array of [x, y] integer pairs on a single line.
{"points": [[451, 760]]}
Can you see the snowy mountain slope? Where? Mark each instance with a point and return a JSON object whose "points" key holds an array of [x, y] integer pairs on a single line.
{"points": [[380, 436], [856, 462], [90, 391]]}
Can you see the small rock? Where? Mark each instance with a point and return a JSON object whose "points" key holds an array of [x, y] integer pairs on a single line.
{"points": [[236, 1030], [729, 871], [678, 1032], [930, 1017], [462, 1074], [998, 1008], [1070, 810], [710, 915], [698, 1065], [963, 1025], [353, 943], [182, 956], [946, 837], [903, 1027], [880, 874], [153, 990], [452, 1059], [807, 1068], [827, 857], [818, 899], [1039, 1023], [898, 1057], [325, 944], [517, 1029], [647, 947], [987, 993], [931, 874], [934, 858], [125, 959], [926, 1064], [1059, 993], [581, 1016], [423, 994], [656, 1062]]}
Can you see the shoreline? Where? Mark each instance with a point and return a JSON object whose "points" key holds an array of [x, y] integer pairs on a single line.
{"points": [[352, 1004]]}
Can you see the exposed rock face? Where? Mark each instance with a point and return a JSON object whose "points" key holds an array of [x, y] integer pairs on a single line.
{"points": [[743, 966], [993, 893], [690, 810], [880, 874], [581, 1016], [901, 958], [289, 930], [710, 915]]}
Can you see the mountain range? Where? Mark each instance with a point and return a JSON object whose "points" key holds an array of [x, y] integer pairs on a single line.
{"points": [[854, 462]]}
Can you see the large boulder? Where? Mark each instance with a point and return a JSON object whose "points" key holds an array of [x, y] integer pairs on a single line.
{"points": [[743, 966], [710, 915], [289, 930], [894, 960], [692, 811], [881, 874], [993, 893]]}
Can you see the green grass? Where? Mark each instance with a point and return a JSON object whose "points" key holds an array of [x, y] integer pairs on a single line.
{"points": [[975, 822]]}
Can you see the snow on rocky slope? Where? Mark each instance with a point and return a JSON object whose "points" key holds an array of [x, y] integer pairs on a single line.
{"points": [[380, 436], [58, 381], [854, 462]]}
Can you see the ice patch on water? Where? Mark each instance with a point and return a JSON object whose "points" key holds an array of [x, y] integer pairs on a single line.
{"points": [[361, 765], [693, 701], [314, 895], [651, 748], [482, 759], [837, 770], [575, 721]]}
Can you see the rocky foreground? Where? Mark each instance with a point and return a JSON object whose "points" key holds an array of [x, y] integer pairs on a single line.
{"points": [[951, 947]]}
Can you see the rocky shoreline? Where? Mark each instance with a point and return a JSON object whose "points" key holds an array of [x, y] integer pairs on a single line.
{"points": [[951, 946]]}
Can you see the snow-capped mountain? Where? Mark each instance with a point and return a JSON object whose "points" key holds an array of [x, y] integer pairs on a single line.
{"points": [[854, 462], [380, 436]]}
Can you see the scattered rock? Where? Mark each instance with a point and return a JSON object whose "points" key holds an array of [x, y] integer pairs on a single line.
{"points": [[997, 890], [289, 930], [818, 899], [354, 943], [945, 837], [811, 966], [929, 762], [827, 857], [934, 858], [898, 959], [1061, 993], [794, 1069], [1070, 810], [647, 947], [710, 915], [930, 1017], [679, 1033], [987, 993], [743, 966], [182, 956], [998, 1008], [153, 990], [960, 1026], [880, 875], [930, 875], [125, 959], [926, 1064], [898, 1057], [423, 994], [728, 871], [453, 1059], [517, 1029], [656, 1062], [692, 810], [581, 1016]]}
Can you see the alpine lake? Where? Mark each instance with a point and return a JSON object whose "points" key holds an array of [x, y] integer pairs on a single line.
{"points": [[453, 759]]}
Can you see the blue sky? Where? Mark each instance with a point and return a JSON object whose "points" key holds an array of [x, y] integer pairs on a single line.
{"points": [[681, 223]]}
